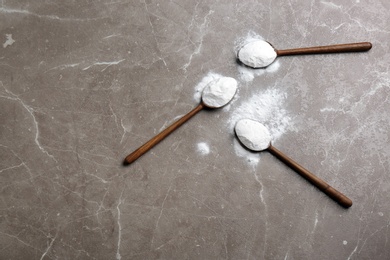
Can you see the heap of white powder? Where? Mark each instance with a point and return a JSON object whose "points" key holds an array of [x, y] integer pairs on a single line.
{"points": [[219, 92], [245, 73], [257, 54], [252, 134], [9, 40], [203, 148]]}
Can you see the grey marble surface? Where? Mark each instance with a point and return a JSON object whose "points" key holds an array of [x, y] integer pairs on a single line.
{"points": [[84, 83]]}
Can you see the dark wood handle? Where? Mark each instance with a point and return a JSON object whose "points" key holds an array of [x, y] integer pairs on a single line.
{"points": [[155, 140], [347, 47], [319, 183]]}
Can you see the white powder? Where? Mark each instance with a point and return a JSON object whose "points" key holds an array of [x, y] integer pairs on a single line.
{"points": [[245, 73], [9, 40], [257, 54], [219, 92], [273, 67], [248, 74], [203, 83], [250, 37], [203, 148], [265, 106], [251, 158], [254, 135]]}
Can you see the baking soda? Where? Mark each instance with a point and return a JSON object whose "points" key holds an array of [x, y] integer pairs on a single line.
{"points": [[245, 73], [248, 74], [9, 41], [219, 92], [203, 83], [253, 135], [257, 54], [203, 148], [251, 158]]}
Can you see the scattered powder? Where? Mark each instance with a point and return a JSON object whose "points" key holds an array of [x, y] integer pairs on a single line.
{"points": [[274, 67], [252, 158], [203, 148], [250, 37], [266, 107], [248, 74], [219, 92], [257, 54], [9, 41], [254, 135]]}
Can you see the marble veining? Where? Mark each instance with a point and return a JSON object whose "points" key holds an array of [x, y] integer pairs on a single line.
{"points": [[84, 83]]}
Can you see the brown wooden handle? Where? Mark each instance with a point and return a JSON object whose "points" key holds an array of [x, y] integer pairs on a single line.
{"points": [[155, 140], [347, 47], [319, 183]]}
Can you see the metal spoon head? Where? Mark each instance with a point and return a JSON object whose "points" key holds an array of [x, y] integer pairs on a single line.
{"points": [[219, 92], [253, 135], [257, 54]]}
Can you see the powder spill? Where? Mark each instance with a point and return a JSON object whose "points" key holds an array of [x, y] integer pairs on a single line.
{"points": [[264, 106], [274, 67], [9, 41], [251, 158], [241, 42], [203, 148], [248, 74]]}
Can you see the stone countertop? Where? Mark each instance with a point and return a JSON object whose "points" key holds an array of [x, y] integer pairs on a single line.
{"points": [[84, 83]]}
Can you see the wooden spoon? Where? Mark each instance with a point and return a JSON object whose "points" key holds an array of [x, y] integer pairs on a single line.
{"points": [[216, 94], [260, 54], [256, 137]]}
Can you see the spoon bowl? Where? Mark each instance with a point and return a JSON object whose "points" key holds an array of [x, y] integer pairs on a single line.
{"points": [[216, 94], [219, 92], [260, 54], [256, 137]]}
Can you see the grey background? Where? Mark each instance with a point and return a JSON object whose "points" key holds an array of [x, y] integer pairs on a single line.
{"points": [[87, 82]]}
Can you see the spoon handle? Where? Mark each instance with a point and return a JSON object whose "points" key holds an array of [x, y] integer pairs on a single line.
{"points": [[155, 140], [347, 47], [319, 183]]}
